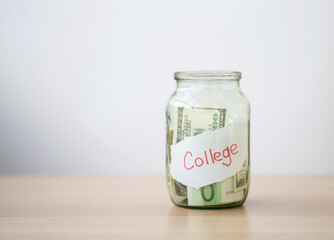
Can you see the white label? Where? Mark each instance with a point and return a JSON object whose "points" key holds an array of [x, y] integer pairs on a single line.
{"points": [[211, 156]]}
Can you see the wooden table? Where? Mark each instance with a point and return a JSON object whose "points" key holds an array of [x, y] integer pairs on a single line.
{"points": [[139, 208]]}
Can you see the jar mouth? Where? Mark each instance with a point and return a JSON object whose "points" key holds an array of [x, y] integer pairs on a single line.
{"points": [[207, 75]]}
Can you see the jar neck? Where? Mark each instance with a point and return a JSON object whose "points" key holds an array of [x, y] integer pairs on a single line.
{"points": [[189, 84]]}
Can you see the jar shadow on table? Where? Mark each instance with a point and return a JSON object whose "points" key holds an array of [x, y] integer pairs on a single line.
{"points": [[209, 222]]}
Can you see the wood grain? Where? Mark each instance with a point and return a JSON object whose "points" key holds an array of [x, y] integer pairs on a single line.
{"points": [[139, 208]]}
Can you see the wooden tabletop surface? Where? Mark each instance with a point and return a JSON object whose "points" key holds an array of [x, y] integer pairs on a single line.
{"points": [[139, 208]]}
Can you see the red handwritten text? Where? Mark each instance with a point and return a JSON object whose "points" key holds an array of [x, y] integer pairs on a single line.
{"points": [[225, 157]]}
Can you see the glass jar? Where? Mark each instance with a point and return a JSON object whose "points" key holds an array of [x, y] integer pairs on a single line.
{"points": [[207, 146]]}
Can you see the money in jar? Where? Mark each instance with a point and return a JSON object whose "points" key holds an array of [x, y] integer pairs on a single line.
{"points": [[207, 140]]}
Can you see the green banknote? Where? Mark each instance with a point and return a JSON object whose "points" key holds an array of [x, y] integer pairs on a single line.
{"points": [[192, 122], [229, 195], [178, 188]]}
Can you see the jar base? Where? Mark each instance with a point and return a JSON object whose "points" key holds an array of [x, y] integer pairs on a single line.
{"points": [[221, 206]]}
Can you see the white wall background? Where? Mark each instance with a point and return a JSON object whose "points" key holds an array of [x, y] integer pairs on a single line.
{"points": [[83, 84]]}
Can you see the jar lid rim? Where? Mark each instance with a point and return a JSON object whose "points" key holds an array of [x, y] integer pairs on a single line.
{"points": [[207, 75]]}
